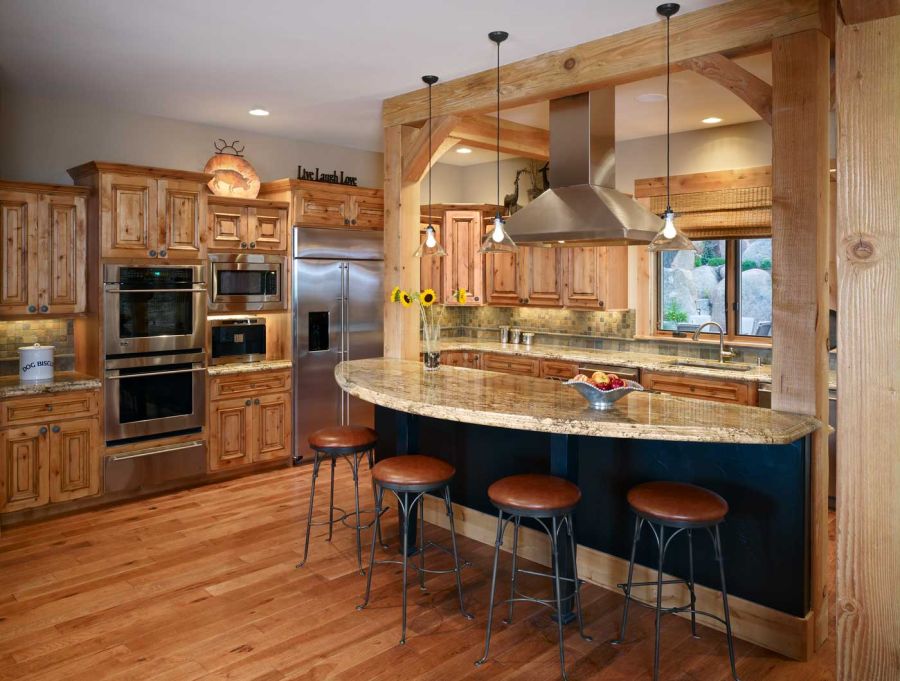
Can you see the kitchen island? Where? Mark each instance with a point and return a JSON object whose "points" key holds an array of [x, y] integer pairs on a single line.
{"points": [[489, 425]]}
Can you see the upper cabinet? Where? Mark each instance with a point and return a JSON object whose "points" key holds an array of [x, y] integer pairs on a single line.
{"points": [[318, 204], [148, 213], [596, 277], [463, 265], [249, 225], [42, 249], [541, 276]]}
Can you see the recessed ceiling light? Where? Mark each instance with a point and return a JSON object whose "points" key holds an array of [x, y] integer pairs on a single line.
{"points": [[258, 111], [651, 97], [711, 120], [463, 150]]}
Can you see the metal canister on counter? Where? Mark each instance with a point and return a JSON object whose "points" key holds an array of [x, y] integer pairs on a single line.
{"points": [[515, 335], [527, 338], [504, 334]]}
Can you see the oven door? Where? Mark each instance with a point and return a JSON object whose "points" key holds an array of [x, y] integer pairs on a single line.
{"points": [[154, 396], [246, 283], [153, 309]]}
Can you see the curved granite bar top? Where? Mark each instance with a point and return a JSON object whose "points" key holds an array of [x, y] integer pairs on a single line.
{"points": [[63, 381], [506, 401]]}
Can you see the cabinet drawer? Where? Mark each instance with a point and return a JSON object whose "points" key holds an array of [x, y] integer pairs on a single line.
{"points": [[508, 364], [735, 392], [49, 407], [558, 369], [221, 387]]}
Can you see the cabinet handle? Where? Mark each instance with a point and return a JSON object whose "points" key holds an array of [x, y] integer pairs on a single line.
{"points": [[44, 308], [49, 407], [55, 429], [346, 221], [32, 308], [252, 244], [243, 244], [256, 401], [162, 254], [248, 403], [151, 253], [43, 430]]}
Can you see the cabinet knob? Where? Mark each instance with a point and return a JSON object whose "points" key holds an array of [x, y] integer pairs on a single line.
{"points": [[43, 430], [248, 403], [55, 429], [151, 253], [32, 308], [252, 244], [256, 401], [475, 298], [353, 222], [162, 254], [346, 221], [243, 244], [49, 407], [44, 308]]}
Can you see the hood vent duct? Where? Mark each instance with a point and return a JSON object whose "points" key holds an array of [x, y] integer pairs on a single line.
{"points": [[583, 206]]}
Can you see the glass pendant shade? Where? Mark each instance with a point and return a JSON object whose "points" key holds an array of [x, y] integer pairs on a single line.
{"points": [[497, 240], [669, 238], [430, 245]]}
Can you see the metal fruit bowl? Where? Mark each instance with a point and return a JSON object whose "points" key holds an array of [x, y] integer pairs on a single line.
{"points": [[603, 399]]}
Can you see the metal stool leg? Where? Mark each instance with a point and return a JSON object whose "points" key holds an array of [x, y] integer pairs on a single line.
{"points": [[404, 527], [659, 580], [690, 535], [497, 544], [331, 502], [371, 454], [515, 568], [718, 547], [638, 524], [456, 566], [571, 530], [354, 465], [379, 494], [422, 543], [557, 589], [312, 496]]}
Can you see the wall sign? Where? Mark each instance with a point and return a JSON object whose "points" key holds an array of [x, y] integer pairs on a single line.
{"points": [[334, 177]]}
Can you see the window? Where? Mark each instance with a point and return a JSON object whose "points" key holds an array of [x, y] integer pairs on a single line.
{"points": [[729, 282]]}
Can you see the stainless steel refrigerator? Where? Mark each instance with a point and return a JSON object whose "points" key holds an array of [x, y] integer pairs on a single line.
{"points": [[338, 295]]}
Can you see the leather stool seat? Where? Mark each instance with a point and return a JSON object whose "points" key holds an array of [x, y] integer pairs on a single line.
{"points": [[678, 503], [412, 472], [343, 438], [531, 494]]}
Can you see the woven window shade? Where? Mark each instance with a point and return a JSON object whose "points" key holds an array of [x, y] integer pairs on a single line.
{"points": [[726, 213]]}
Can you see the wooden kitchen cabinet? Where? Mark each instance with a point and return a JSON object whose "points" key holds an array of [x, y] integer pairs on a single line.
{"points": [[367, 209], [230, 441], [541, 276], [461, 358], [74, 459], [463, 265], [42, 249], [181, 219], [596, 277], [511, 364], [558, 369], [431, 271], [24, 476], [318, 204], [272, 427], [502, 279], [734, 392], [245, 225]]}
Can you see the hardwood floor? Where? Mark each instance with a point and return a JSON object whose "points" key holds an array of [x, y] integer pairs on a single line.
{"points": [[201, 584]]}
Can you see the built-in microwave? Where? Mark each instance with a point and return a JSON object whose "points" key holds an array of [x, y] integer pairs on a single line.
{"points": [[246, 282]]}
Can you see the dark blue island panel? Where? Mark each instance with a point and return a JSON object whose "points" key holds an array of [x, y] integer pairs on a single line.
{"points": [[765, 536]]}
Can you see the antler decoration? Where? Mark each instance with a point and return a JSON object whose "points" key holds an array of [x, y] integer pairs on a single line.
{"points": [[224, 147]]}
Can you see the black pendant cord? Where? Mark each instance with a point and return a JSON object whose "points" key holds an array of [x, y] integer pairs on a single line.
{"points": [[668, 123], [430, 80], [498, 128]]}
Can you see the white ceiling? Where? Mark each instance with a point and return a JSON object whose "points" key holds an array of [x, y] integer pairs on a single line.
{"points": [[322, 68]]}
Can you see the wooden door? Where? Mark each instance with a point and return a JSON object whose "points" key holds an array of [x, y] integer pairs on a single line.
{"points": [[18, 253], [267, 229], [367, 212], [614, 268], [227, 227], [541, 271], [272, 422], [230, 430], [323, 209], [128, 213], [463, 264], [431, 268], [74, 459], [62, 240], [182, 220], [23, 477], [502, 279], [596, 277]]}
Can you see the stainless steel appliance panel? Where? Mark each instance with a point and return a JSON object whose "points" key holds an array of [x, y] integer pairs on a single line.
{"points": [[154, 467], [338, 244], [364, 326], [237, 340], [246, 282]]}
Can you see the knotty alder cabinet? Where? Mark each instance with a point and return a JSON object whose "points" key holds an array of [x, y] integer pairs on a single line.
{"points": [[42, 249], [249, 418], [247, 225], [148, 213], [735, 392], [318, 204], [50, 448]]}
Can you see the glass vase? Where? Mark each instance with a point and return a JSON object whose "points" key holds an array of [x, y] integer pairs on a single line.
{"points": [[431, 344]]}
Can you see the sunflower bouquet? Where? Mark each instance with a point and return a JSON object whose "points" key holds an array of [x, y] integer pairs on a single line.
{"points": [[430, 315]]}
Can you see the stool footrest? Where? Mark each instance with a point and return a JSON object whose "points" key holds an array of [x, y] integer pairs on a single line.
{"points": [[673, 609]]}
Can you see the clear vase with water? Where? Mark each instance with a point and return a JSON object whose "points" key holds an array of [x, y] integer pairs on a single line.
{"points": [[431, 342]]}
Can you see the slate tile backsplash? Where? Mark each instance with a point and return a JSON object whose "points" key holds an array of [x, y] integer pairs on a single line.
{"points": [[56, 332]]}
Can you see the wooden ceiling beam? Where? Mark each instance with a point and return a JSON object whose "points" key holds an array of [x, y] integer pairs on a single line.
{"points": [[515, 138], [731, 28], [415, 155], [755, 92], [858, 11]]}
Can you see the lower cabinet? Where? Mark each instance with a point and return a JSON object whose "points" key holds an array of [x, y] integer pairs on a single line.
{"points": [[251, 428], [512, 364], [461, 358], [735, 392]]}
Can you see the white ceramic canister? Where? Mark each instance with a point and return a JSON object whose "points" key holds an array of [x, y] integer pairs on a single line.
{"points": [[36, 363]]}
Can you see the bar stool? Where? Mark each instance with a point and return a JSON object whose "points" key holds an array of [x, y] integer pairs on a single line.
{"points": [[410, 477], [543, 498], [352, 443], [683, 508]]}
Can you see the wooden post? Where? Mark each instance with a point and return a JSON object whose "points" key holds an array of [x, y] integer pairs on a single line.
{"points": [[800, 194], [868, 430]]}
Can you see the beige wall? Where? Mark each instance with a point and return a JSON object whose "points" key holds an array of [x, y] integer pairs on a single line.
{"points": [[40, 138]]}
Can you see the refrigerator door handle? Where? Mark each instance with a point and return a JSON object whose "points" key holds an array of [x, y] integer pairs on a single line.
{"points": [[345, 333]]}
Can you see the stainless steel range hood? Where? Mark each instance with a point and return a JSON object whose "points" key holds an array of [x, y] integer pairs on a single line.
{"points": [[583, 206]]}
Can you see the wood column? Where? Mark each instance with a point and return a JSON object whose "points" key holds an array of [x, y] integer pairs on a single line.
{"points": [[800, 195], [868, 431]]}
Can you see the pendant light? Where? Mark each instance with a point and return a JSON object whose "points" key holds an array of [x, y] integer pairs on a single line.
{"points": [[497, 240], [669, 238], [430, 245]]}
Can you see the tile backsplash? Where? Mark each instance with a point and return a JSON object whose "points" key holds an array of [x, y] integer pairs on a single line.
{"points": [[56, 332]]}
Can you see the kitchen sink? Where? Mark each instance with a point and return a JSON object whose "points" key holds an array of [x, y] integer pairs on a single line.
{"points": [[712, 364]]}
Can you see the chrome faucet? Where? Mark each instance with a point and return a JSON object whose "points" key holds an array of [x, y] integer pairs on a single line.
{"points": [[724, 355]]}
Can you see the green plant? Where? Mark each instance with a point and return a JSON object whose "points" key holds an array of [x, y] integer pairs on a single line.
{"points": [[715, 262], [765, 264], [698, 261], [674, 313], [748, 265]]}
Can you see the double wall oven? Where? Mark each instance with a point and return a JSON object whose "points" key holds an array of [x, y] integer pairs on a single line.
{"points": [[154, 332]]}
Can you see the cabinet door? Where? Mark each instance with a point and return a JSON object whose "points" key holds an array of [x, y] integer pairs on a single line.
{"points": [[182, 220], [18, 252], [367, 212], [230, 433], [325, 209], [614, 268], [510, 364], [62, 243], [596, 277], [227, 227], [502, 279], [128, 216], [541, 276], [431, 267], [74, 459], [268, 229], [463, 264], [23, 478], [272, 422]]}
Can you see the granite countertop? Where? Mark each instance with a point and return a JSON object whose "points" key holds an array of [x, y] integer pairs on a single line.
{"points": [[248, 367], [524, 403], [63, 381], [640, 360]]}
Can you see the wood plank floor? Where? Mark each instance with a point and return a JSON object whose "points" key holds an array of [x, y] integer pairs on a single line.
{"points": [[201, 584]]}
